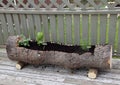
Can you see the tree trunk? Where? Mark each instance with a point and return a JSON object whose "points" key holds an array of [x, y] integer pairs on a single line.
{"points": [[101, 58]]}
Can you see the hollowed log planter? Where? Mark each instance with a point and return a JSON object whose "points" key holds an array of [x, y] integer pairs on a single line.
{"points": [[101, 58]]}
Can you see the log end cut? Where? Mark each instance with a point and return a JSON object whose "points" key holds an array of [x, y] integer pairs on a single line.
{"points": [[20, 65], [92, 73]]}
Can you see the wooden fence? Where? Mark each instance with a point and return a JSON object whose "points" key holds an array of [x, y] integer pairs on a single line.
{"points": [[68, 22]]}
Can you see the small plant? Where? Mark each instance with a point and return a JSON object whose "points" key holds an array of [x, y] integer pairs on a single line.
{"points": [[39, 38], [24, 41], [119, 17], [85, 46]]}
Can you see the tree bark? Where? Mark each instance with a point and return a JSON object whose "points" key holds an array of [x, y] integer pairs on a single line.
{"points": [[101, 58]]}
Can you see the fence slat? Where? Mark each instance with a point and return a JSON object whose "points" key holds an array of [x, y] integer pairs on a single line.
{"points": [[16, 20], [94, 24], [69, 29], [85, 28], [10, 24], [1, 35], [37, 23], [112, 28], [118, 48], [4, 28], [31, 26], [45, 27], [103, 26], [53, 28], [77, 29], [23, 20], [61, 36]]}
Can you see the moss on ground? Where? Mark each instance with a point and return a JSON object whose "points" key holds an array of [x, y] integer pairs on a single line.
{"points": [[116, 57]]}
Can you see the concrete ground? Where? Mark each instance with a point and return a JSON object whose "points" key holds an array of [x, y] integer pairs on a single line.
{"points": [[51, 75]]}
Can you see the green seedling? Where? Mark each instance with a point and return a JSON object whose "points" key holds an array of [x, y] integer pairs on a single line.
{"points": [[85, 46], [39, 38], [119, 17], [24, 41]]}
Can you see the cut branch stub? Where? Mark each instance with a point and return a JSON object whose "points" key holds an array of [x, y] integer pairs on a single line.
{"points": [[101, 58], [92, 73], [20, 65]]}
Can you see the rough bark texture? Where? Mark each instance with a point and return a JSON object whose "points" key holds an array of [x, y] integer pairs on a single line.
{"points": [[102, 57]]}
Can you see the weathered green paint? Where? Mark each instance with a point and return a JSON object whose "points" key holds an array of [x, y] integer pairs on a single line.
{"points": [[23, 25], [16, 21], [61, 29], [77, 29], [45, 27], [10, 24], [4, 29], [31, 27], [68, 29], [103, 25], [53, 28], [85, 24], [94, 23]]}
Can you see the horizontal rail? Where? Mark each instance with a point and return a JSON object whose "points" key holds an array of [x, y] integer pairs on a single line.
{"points": [[55, 11]]}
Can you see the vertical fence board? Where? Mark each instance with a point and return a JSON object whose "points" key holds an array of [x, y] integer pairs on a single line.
{"points": [[16, 20], [103, 25], [4, 27], [10, 24], [85, 22], [118, 48], [112, 28], [77, 29], [53, 28], [37, 23], [31, 26], [1, 35], [61, 29], [94, 24], [69, 29], [23, 20], [45, 27]]}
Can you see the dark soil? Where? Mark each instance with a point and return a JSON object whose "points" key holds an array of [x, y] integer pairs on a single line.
{"points": [[58, 47], [118, 5]]}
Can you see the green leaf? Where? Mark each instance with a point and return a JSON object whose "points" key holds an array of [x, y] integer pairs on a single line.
{"points": [[39, 38], [118, 17], [24, 41]]}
